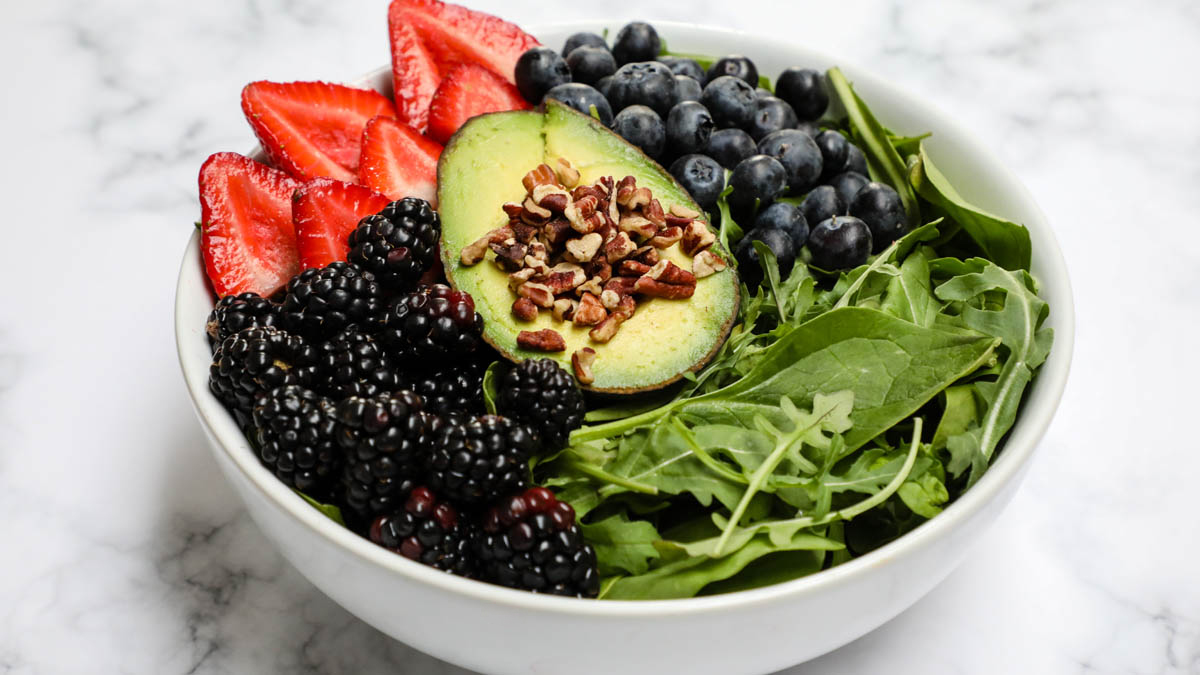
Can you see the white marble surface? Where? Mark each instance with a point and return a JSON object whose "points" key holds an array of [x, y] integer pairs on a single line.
{"points": [[123, 551]]}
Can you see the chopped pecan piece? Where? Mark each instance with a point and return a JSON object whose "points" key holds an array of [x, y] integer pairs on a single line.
{"points": [[582, 215], [556, 231], [606, 330], [522, 232], [653, 211], [625, 308], [590, 311], [582, 191], [520, 276], [473, 253], [592, 286], [696, 238], [541, 175], [667, 237], [598, 268], [610, 299], [544, 340], [551, 197], [634, 198], [538, 294], [647, 255], [512, 209], [581, 363], [524, 309], [659, 289], [564, 277], [638, 226], [677, 221], [670, 273], [632, 268], [567, 174], [510, 253], [683, 211], [619, 247], [621, 285], [564, 309], [706, 263], [532, 213], [584, 248]]}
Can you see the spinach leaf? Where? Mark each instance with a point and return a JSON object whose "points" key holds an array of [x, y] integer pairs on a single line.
{"points": [[909, 294]]}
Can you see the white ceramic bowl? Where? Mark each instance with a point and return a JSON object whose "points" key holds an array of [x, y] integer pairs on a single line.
{"points": [[497, 630]]}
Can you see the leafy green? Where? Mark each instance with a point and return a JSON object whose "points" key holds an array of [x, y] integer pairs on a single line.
{"points": [[330, 510], [622, 545], [490, 388]]}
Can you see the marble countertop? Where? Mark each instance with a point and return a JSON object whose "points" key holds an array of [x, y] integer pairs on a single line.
{"points": [[124, 551]]}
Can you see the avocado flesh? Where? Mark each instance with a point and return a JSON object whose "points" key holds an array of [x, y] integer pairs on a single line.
{"points": [[482, 167]]}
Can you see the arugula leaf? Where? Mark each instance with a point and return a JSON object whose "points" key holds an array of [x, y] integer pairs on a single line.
{"points": [[622, 545], [330, 510]]}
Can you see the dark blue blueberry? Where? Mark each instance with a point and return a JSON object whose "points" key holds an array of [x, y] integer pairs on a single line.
{"points": [[701, 176], [581, 97], [602, 85], [684, 66], [834, 148], [780, 244], [734, 65], [855, 160], [879, 206], [642, 127], [687, 89], [822, 203], [538, 71], [731, 102], [798, 153], [730, 146], [689, 126], [805, 90], [578, 40], [761, 93], [787, 218], [647, 83], [847, 184], [589, 64], [772, 114], [637, 41], [839, 243], [808, 127], [757, 180]]}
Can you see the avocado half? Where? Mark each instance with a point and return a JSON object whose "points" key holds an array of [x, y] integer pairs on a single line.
{"points": [[481, 168]]}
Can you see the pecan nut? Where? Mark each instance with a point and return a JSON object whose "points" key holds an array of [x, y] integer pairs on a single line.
{"points": [[633, 268], [581, 362], [683, 211], [538, 294], [606, 330], [696, 238], [667, 237], [619, 247], [564, 309], [524, 309], [659, 289], [567, 174], [670, 273], [582, 215], [584, 248], [544, 340], [510, 253], [563, 277], [590, 311], [706, 263], [541, 175]]}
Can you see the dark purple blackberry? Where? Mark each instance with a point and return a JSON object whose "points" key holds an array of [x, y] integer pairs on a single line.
{"points": [[453, 388], [531, 542], [382, 439], [236, 312], [398, 244], [294, 429], [253, 361], [541, 394], [353, 363], [428, 531], [320, 302], [432, 322], [477, 460]]}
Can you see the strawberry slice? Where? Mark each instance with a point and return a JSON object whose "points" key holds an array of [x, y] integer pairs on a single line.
{"points": [[246, 234], [467, 91], [454, 35], [414, 74], [312, 129], [325, 212], [398, 162]]}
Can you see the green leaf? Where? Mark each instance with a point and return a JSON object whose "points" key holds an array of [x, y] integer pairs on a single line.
{"points": [[907, 145], [332, 512], [622, 545], [490, 388], [770, 267], [909, 294]]}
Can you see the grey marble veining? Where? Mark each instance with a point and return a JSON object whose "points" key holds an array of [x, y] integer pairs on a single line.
{"points": [[124, 551]]}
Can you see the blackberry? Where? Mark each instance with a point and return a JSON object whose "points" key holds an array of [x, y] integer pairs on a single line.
{"points": [[294, 429], [398, 244], [432, 322], [381, 438], [235, 312], [531, 542], [428, 531], [476, 460], [453, 388], [322, 301], [353, 363], [253, 361], [541, 394]]}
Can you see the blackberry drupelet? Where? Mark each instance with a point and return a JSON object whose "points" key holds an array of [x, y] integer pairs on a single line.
{"points": [[477, 460], [531, 542], [382, 439], [432, 322], [353, 363], [236, 312], [453, 388], [322, 301], [253, 361], [541, 394], [398, 244], [294, 428], [428, 531]]}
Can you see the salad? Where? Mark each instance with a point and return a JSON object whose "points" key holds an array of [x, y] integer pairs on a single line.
{"points": [[609, 321]]}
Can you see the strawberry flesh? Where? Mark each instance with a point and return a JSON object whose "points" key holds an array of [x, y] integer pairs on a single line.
{"points": [[414, 74], [398, 162], [453, 35], [467, 91], [325, 212]]}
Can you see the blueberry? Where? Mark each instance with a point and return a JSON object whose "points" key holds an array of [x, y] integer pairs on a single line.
{"points": [[589, 64], [637, 41], [808, 127], [803, 88], [583, 40], [686, 88], [689, 126], [730, 100], [834, 148], [847, 184], [879, 206], [758, 179], [761, 93], [822, 203], [581, 97], [786, 218], [798, 153], [737, 66], [780, 244], [602, 85], [855, 160], [684, 66], [772, 114], [730, 146], [647, 83], [701, 176], [538, 71], [642, 127], [840, 242]]}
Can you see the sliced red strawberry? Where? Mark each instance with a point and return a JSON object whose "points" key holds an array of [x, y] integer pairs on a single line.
{"points": [[325, 212], [312, 129], [246, 234], [414, 74], [398, 162], [453, 34], [467, 91]]}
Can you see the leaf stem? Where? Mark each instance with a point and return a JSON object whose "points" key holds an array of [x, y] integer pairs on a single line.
{"points": [[600, 474], [705, 458], [617, 427]]}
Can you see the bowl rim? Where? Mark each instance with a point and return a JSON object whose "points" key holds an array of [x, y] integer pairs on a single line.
{"points": [[1028, 430]]}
